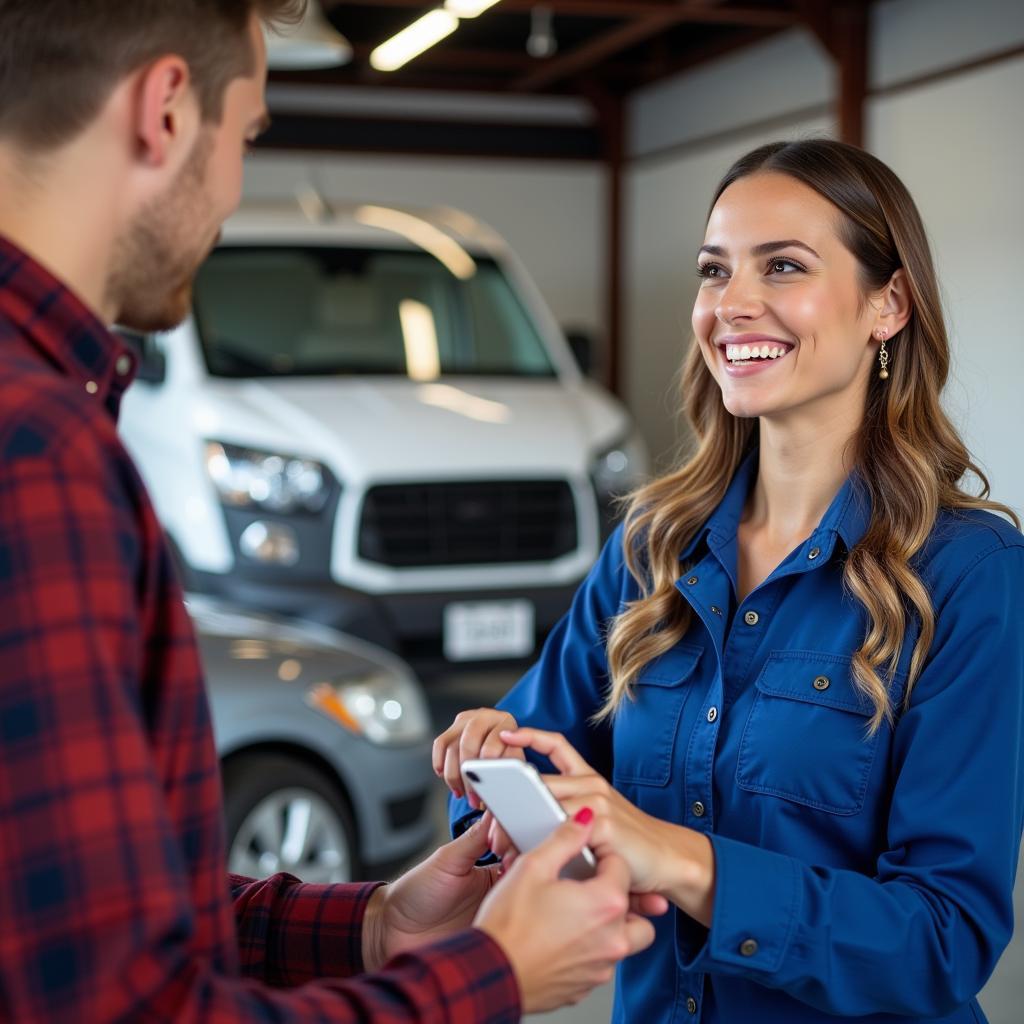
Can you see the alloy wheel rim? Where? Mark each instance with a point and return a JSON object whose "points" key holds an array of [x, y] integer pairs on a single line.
{"points": [[293, 830]]}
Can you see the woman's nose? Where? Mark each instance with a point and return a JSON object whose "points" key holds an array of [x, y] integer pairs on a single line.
{"points": [[740, 299]]}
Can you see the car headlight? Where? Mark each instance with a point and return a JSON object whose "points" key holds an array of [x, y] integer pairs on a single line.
{"points": [[619, 467], [386, 709], [263, 480]]}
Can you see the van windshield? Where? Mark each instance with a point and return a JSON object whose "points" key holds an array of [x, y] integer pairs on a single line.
{"points": [[295, 311]]}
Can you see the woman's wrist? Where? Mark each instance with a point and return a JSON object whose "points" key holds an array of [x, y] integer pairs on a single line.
{"points": [[691, 885]]}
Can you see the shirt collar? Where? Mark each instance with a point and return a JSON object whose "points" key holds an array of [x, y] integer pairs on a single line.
{"points": [[725, 520], [850, 512], [847, 516], [63, 328]]}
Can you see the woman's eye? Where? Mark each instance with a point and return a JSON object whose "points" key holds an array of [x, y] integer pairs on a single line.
{"points": [[709, 270], [781, 266]]}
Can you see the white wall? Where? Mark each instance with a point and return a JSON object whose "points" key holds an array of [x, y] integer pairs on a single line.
{"points": [[785, 73], [967, 186], [552, 212], [914, 37], [958, 143]]}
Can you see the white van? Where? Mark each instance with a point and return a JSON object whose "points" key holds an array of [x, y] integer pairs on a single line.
{"points": [[373, 421]]}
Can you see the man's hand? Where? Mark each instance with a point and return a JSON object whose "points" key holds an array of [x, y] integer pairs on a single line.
{"points": [[430, 901], [563, 937]]}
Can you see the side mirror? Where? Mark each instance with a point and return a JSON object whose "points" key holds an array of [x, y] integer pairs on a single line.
{"points": [[152, 360], [582, 345]]}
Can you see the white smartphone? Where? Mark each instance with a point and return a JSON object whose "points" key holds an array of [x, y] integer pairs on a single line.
{"points": [[515, 794]]}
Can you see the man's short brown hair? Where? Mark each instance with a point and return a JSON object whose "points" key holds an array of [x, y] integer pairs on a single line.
{"points": [[61, 59]]}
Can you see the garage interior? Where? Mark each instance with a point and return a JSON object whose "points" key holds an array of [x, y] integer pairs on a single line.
{"points": [[590, 133]]}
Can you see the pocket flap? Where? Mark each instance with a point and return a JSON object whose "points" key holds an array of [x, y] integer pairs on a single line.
{"points": [[814, 677], [671, 668]]}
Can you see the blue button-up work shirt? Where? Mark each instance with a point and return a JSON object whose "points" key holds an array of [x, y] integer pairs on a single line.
{"points": [[856, 874]]}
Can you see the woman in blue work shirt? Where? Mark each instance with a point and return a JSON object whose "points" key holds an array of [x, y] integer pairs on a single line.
{"points": [[791, 688]]}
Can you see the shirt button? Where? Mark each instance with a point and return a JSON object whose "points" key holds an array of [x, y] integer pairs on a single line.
{"points": [[748, 947], [751, 618], [698, 809], [692, 580], [92, 387], [123, 364], [691, 1005], [822, 683], [813, 553], [712, 714], [716, 609]]}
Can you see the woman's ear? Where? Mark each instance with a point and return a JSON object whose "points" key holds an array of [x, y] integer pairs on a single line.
{"points": [[897, 304]]}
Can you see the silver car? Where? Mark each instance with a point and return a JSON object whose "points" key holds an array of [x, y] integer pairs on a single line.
{"points": [[324, 743]]}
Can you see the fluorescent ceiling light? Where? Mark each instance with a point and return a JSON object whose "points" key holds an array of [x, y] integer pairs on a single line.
{"points": [[312, 43], [412, 41], [442, 247], [468, 8]]}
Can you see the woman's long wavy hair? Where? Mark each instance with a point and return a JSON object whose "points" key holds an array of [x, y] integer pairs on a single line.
{"points": [[907, 453]]}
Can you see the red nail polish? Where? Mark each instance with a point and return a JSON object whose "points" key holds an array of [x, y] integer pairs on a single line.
{"points": [[584, 816]]}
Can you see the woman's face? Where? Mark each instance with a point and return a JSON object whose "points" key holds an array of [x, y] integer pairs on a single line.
{"points": [[780, 316]]}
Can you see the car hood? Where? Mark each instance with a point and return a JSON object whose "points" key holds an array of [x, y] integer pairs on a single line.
{"points": [[228, 636], [393, 428]]}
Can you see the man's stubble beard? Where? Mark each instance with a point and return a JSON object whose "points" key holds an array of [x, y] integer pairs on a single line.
{"points": [[157, 258]]}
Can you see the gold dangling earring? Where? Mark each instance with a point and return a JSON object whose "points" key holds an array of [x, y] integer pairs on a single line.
{"points": [[883, 356]]}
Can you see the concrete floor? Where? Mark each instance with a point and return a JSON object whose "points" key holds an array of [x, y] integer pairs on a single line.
{"points": [[1002, 999]]}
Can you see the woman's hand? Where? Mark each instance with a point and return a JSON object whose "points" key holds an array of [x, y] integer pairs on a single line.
{"points": [[675, 861], [472, 734]]}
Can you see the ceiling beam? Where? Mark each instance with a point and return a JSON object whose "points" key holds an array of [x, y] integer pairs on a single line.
{"points": [[451, 58], [609, 43], [851, 22], [702, 53], [361, 134], [624, 9], [841, 29]]}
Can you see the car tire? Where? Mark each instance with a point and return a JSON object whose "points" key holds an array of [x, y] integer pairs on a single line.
{"points": [[283, 814]]}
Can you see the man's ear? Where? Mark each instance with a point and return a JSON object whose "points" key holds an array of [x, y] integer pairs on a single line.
{"points": [[897, 304], [166, 112]]}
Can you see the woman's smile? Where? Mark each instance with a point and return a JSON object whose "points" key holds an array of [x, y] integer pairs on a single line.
{"points": [[743, 355]]}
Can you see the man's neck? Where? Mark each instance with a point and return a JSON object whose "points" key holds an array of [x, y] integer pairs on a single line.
{"points": [[53, 216]]}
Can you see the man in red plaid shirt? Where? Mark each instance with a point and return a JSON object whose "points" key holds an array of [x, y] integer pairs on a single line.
{"points": [[122, 130]]}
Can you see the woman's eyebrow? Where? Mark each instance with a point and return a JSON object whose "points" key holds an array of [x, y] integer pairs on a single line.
{"points": [[764, 248]]}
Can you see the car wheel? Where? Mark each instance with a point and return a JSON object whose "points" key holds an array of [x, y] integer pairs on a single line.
{"points": [[285, 815]]}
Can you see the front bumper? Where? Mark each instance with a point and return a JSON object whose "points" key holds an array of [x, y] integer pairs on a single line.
{"points": [[410, 624]]}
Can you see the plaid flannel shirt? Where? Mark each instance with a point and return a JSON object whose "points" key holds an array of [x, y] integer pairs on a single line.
{"points": [[114, 904]]}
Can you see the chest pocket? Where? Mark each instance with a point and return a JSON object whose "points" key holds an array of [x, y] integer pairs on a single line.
{"points": [[806, 737], [645, 729]]}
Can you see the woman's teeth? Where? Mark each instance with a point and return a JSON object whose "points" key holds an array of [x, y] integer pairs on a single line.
{"points": [[740, 353]]}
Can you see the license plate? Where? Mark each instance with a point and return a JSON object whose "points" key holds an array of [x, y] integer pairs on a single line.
{"points": [[488, 629]]}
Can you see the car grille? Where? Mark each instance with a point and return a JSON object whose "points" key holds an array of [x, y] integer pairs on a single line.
{"points": [[415, 525]]}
